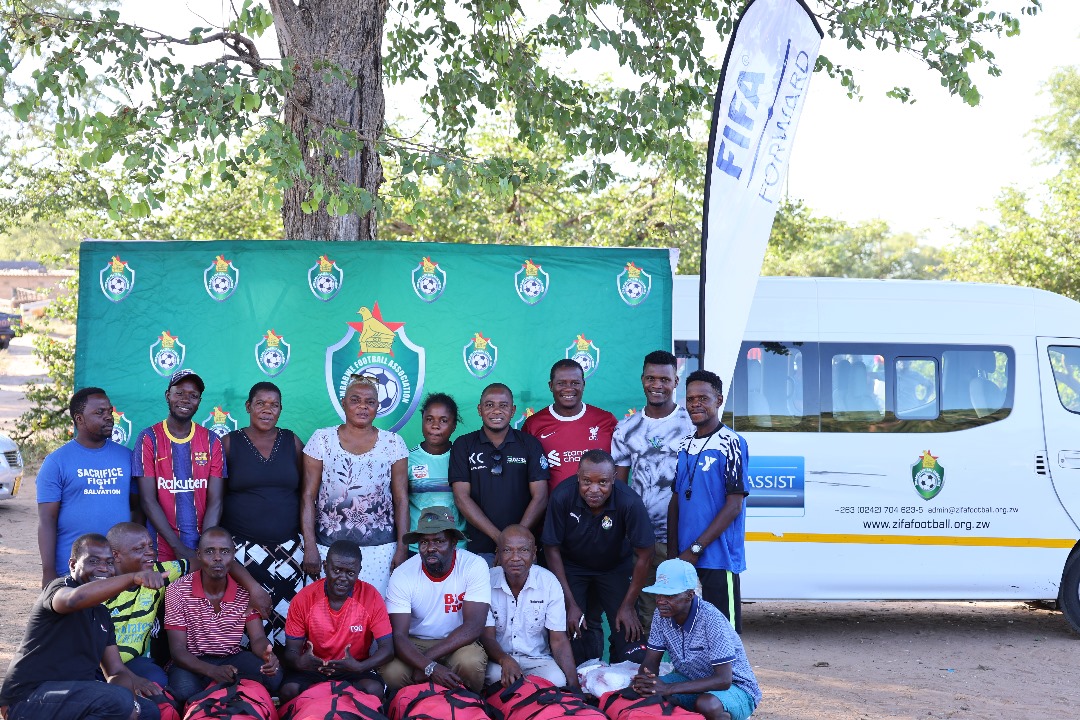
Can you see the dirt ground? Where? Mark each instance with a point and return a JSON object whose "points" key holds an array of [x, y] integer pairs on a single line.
{"points": [[814, 661]]}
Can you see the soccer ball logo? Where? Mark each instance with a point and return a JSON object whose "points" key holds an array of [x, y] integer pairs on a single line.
{"points": [[532, 287], [119, 435], [927, 481], [429, 285], [480, 362], [387, 384], [326, 284], [634, 289], [221, 284], [168, 360], [273, 358], [117, 284], [585, 361]]}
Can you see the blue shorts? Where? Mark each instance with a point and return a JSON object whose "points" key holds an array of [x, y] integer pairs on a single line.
{"points": [[736, 701]]}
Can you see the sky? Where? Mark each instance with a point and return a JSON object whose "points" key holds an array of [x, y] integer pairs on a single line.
{"points": [[925, 168]]}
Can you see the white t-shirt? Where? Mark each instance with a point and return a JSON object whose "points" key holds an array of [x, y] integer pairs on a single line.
{"points": [[435, 606], [522, 624]]}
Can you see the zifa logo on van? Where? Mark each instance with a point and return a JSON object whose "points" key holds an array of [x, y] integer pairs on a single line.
{"points": [[928, 476]]}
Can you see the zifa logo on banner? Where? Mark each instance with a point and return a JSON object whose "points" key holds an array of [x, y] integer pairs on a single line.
{"points": [[531, 283], [167, 354], [117, 279], [325, 278], [634, 284], [272, 353], [220, 422], [480, 356], [428, 280], [387, 357], [121, 430], [584, 353], [221, 278]]}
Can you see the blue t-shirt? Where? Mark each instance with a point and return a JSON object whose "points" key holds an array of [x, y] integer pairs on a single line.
{"points": [[92, 487], [712, 468]]}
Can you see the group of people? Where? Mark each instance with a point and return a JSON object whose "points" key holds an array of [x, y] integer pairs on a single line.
{"points": [[465, 561]]}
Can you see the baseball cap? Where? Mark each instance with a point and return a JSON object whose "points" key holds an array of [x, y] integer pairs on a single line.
{"points": [[673, 577], [186, 374], [433, 520]]}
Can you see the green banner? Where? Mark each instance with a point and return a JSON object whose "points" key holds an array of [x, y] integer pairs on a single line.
{"points": [[417, 317]]}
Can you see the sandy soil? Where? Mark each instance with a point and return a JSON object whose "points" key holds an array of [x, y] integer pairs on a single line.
{"points": [[814, 661]]}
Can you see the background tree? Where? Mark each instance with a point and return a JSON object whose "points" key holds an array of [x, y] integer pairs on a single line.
{"points": [[316, 117]]}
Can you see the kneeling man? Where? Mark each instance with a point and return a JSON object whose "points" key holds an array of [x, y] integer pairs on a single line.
{"points": [[526, 630], [206, 615], [712, 675], [331, 626], [438, 601]]}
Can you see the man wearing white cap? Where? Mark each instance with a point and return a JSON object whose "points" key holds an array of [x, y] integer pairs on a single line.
{"points": [[712, 675]]}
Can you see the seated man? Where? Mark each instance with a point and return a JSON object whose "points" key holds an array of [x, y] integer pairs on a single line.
{"points": [[438, 601], [331, 626], [135, 610], [206, 615], [526, 630], [69, 637], [712, 675], [598, 540]]}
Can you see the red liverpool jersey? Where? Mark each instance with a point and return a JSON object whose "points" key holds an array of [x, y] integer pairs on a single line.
{"points": [[565, 439]]}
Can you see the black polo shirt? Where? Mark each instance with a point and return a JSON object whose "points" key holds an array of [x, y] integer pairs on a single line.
{"points": [[503, 498], [597, 542]]}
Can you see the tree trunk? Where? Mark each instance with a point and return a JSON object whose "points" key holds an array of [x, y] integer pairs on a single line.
{"points": [[348, 34]]}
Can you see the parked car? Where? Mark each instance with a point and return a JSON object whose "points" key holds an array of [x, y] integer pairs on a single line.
{"points": [[8, 323], [11, 467]]}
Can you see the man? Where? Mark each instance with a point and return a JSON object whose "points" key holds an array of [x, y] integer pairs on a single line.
{"points": [[645, 448], [599, 543], [498, 474], [135, 610], [178, 465], [438, 601], [84, 486], [706, 516], [54, 673], [712, 675], [526, 627], [206, 616], [568, 427], [331, 626]]}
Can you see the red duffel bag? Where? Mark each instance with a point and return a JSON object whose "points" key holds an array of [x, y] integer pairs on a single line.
{"points": [[242, 700], [552, 704], [504, 699], [333, 700], [428, 701], [626, 704]]}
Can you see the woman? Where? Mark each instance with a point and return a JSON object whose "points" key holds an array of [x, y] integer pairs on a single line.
{"points": [[429, 462], [356, 488], [262, 502]]}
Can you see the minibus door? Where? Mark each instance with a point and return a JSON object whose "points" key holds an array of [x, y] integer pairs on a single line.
{"points": [[1059, 376]]}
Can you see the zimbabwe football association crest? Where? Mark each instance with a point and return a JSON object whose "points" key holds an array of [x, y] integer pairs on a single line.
{"points": [[167, 354], [379, 349], [928, 476], [480, 356], [220, 422], [584, 353], [121, 429], [272, 353], [221, 278], [531, 283], [428, 280], [117, 279], [325, 278], [634, 284]]}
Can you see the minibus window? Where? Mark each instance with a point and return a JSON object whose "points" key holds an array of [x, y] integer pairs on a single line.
{"points": [[858, 388], [1065, 361], [774, 386], [974, 385], [916, 388]]}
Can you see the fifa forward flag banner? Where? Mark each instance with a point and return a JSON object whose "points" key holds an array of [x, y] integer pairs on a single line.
{"points": [[763, 87], [415, 317]]}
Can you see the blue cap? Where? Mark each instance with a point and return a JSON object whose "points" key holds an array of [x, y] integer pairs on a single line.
{"points": [[673, 577]]}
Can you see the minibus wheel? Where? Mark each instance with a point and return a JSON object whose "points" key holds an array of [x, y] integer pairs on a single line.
{"points": [[1069, 593]]}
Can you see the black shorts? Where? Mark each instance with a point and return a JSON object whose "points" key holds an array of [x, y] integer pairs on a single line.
{"points": [[721, 588], [307, 679]]}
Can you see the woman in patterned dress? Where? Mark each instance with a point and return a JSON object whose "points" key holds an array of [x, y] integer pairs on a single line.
{"points": [[356, 488], [262, 502]]}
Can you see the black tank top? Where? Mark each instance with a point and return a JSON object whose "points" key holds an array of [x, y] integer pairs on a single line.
{"points": [[262, 495]]}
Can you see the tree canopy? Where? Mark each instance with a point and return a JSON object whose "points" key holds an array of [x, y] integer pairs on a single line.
{"points": [[206, 104]]}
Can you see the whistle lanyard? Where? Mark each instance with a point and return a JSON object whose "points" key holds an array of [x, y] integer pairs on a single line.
{"points": [[693, 471]]}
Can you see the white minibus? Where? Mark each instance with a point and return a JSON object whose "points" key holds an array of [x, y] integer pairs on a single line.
{"points": [[908, 439]]}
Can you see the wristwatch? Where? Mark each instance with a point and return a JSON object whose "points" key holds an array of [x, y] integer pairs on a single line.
{"points": [[696, 548], [430, 668]]}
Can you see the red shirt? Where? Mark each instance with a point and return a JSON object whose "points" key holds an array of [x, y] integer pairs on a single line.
{"points": [[565, 439], [208, 632], [361, 619]]}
